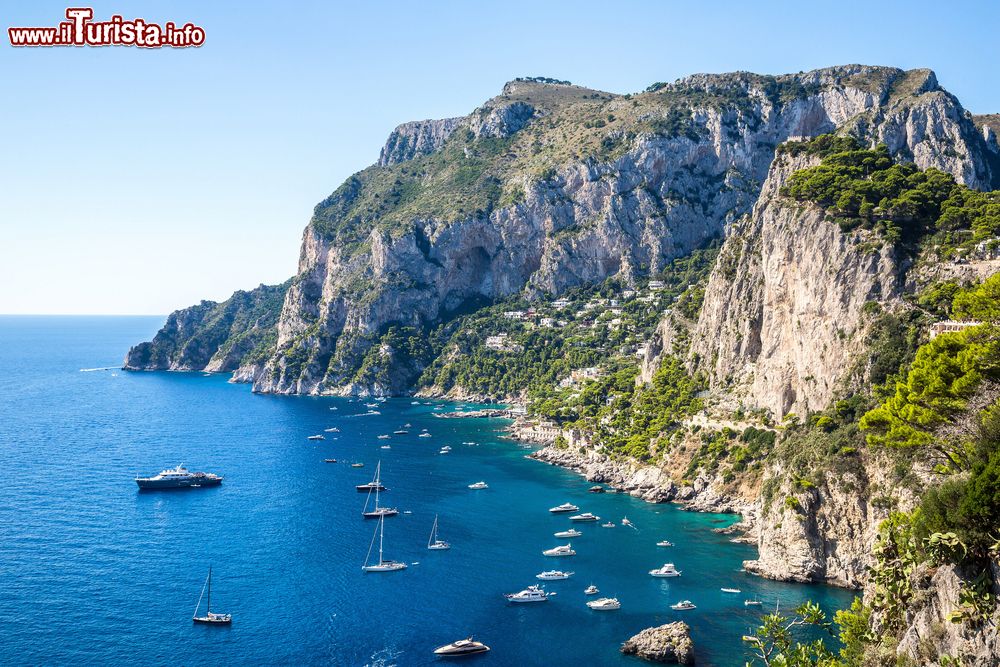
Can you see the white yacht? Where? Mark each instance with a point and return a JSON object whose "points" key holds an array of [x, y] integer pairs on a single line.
{"points": [[382, 565], [316, 437], [461, 647], [446, 448], [553, 575], [664, 543], [565, 507], [731, 590], [424, 435], [682, 605], [384, 436], [591, 590], [586, 516], [332, 429], [572, 532], [433, 542], [564, 550], [608, 524], [479, 485], [752, 603], [530, 594], [668, 570], [605, 604]]}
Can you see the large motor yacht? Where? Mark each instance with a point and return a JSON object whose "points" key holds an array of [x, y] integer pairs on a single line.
{"points": [[178, 478]]}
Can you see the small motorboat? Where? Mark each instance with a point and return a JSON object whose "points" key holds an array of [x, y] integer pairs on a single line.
{"points": [[446, 448], [752, 603], [608, 524], [316, 437], [444, 451], [461, 647], [371, 405], [564, 550], [731, 590], [329, 460], [553, 575], [682, 605], [384, 436], [333, 429], [479, 485], [414, 402], [605, 604], [334, 408], [591, 590], [664, 543], [667, 570], [572, 532], [357, 465], [400, 432], [565, 507], [626, 522], [424, 435], [586, 516], [596, 489], [386, 447], [530, 594]]}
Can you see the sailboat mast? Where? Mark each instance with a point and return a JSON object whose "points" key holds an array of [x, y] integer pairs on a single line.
{"points": [[381, 536], [208, 607]]}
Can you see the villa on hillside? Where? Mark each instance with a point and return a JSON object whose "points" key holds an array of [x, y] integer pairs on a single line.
{"points": [[951, 326]]}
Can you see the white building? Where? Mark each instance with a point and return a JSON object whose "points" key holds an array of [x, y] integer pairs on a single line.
{"points": [[951, 326]]}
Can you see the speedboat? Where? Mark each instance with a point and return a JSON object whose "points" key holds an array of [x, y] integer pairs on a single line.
{"points": [[333, 429], [329, 460], [461, 647], [400, 432], [682, 605], [591, 590], [586, 516], [424, 435], [572, 532], [664, 543], [668, 570], [371, 405], [605, 604], [530, 594], [316, 437], [564, 550], [479, 485], [752, 603], [731, 590], [384, 436], [444, 451], [553, 575], [386, 447], [357, 465], [608, 524], [565, 507], [446, 448]]}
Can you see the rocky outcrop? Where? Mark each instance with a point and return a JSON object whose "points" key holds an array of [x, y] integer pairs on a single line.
{"points": [[214, 336], [502, 120], [669, 643], [419, 137], [783, 311], [932, 637]]}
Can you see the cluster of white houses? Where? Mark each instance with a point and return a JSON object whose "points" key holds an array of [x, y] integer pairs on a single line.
{"points": [[951, 326]]}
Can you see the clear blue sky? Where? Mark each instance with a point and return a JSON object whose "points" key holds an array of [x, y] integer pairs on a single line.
{"points": [[140, 181]]}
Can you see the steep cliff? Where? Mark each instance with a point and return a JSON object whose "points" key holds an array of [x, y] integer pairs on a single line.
{"points": [[551, 186], [214, 336]]}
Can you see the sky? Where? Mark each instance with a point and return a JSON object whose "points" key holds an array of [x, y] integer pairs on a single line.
{"points": [[139, 181]]}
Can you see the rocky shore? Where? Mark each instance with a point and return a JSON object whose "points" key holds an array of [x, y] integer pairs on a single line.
{"points": [[670, 643]]}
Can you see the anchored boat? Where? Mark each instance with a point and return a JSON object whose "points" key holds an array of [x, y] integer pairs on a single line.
{"points": [[210, 617]]}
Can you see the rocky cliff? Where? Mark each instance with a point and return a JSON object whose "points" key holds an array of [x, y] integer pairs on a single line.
{"points": [[214, 336]]}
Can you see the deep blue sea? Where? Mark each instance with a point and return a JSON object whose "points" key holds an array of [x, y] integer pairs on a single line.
{"points": [[94, 572]]}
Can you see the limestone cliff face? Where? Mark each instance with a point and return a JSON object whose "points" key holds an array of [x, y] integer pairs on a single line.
{"points": [[419, 137], [591, 219], [782, 317]]}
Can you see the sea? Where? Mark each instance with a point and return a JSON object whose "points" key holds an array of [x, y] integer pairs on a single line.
{"points": [[95, 572]]}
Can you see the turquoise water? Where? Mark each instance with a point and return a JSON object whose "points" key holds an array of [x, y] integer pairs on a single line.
{"points": [[94, 572]]}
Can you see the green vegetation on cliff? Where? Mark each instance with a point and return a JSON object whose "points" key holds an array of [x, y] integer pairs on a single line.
{"points": [[867, 188]]}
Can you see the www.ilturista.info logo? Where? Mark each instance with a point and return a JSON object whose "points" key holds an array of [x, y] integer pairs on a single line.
{"points": [[79, 30]]}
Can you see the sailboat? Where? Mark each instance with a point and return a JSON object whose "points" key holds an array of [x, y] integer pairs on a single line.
{"points": [[382, 565], [378, 512], [433, 542], [210, 617]]}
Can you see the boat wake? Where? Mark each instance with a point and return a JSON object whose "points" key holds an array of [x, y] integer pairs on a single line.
{"points": [[101, 368]]}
